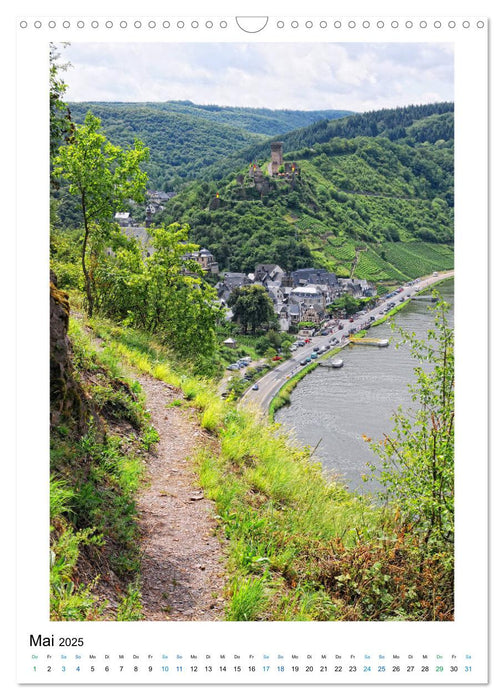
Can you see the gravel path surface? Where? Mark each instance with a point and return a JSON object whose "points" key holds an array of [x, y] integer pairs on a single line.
{"points": [[183, 572]]}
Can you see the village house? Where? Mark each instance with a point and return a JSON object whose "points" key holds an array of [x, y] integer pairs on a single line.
{"points": [[277, 296], [155, 203], [308, 295], [311, 275], [294, 313], [357, 288], [312, 314], [205, 259], [231, 281], [312, 290], [158, 197], [123, 218], [273, 274]]}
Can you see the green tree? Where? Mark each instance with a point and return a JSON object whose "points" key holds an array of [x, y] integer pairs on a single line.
{"points": [[182, 306], [60, 122], [251, 306], [347, 303], [104, 177], [274, 338], [418, 457], [164, 293]]}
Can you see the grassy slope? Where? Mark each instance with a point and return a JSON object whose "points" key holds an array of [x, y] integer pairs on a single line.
{"points": [[94, 478], [300, 547]]}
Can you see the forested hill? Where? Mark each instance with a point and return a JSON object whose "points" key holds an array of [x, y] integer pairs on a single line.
{"points": [[414, 124], [369, 206], [185, 138]]}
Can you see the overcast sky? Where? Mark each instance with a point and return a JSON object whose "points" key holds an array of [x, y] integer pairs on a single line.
{"points": [[350, 76]]}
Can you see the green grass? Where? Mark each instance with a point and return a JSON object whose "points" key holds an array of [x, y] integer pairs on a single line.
{"points": [[298, 545], [248, 599], [95, 477], [386, 317], [130, 607], [70, 600], [276, 510], [282, 398]]}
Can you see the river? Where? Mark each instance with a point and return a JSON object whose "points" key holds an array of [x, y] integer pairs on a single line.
{"points": [[331, 409]]}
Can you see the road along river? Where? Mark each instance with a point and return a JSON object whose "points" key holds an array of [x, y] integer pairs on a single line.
{"points": [[331, 409], [270, 384]]}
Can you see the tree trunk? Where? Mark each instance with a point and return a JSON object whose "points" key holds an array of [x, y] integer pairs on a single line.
{"points": [[87, 279]]}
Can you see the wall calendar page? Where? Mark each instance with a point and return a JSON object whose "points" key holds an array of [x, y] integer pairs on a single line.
{"points": [[257, 452]]}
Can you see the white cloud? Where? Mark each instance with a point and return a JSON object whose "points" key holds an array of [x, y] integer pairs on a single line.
{"points": [[294, 76]]}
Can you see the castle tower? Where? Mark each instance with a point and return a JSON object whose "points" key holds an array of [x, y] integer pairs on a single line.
{"points": [[276, 156]]}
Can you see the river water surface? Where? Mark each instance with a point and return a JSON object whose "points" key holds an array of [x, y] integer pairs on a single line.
{"points": [[331, 409]]}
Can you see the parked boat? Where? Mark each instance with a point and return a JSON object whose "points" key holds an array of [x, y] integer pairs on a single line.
{"points": [[334, 364], [379, 342]]}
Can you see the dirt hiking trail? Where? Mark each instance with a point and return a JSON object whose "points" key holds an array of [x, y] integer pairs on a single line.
{"points": [[183, 569]]}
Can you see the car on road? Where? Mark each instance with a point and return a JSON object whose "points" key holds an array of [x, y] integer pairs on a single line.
{"points": [[303, 362], [255, 387], [326, 332], [314, 356], [233, 366]]}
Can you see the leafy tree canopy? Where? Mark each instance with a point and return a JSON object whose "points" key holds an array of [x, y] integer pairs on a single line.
{"points": [[251, 306], [104, 177]]}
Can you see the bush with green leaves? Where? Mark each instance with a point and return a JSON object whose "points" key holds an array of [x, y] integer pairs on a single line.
{"points": [[418, 456]]}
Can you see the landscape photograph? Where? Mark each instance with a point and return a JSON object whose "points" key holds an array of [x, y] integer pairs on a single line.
{"points": [[251, 332]]}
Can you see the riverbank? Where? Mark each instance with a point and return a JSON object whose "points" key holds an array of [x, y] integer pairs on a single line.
{"points": [[359, 399], [282, 398], [405, 303]]}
